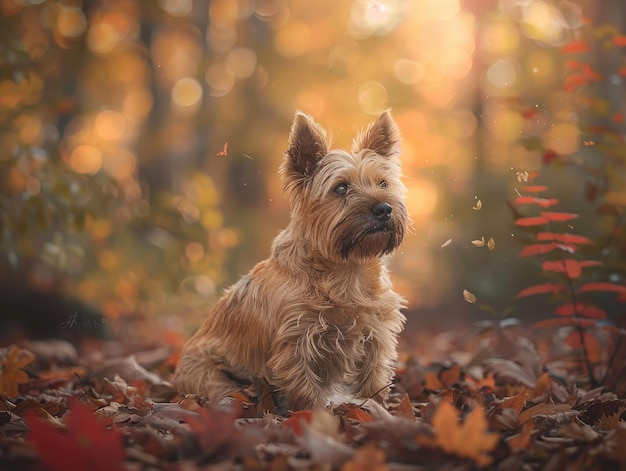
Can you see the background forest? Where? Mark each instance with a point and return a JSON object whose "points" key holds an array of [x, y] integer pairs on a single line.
{"points": [[139, 145]]}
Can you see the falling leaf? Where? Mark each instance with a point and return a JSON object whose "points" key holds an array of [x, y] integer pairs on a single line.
{"points": [[469, 297], [589, 143], [11, 373], [471, 439], [479, 242], [224, 151], [478, 206], [446, 243], [491, 244], [522, 176]]}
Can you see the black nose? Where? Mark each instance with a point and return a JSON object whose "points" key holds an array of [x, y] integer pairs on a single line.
{"points": [[382, 211]]}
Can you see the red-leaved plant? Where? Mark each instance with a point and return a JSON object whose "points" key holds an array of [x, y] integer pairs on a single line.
{"points": [[559, 251]]}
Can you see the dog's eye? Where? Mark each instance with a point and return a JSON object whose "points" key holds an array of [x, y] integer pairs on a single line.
{"points": [[383, 184], [341, 189]]}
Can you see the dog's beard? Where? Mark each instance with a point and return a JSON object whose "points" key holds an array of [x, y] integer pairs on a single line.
{"points": [[365, 237]]}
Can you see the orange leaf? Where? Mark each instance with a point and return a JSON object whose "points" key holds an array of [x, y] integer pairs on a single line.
{"points": [[540, 289], [622, 71], [542, 202], [586, 310], [354, 412], [531, 221], [11, 373], [449, 376], [516, 402], [535, 188], [543, 385], [601, 286], [297, 419], [521, 441], [471, 439], [618, 118], [619, 40], [591, 344], [537, 249], [405, 409], [552, 216], [575, 47], [432, 381]]}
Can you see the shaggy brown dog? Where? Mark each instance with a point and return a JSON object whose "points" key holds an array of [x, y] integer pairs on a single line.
{"points": [[319, 316]]}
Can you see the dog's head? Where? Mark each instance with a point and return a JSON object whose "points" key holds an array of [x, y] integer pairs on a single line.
{"points": [[348, 205]]}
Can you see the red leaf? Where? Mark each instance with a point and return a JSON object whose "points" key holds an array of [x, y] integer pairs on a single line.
{"points": [[573, 64], [591, 344], [537, 249], [582, 309], [535, 188], [601, 286], [553, 216], [575, 47], [569, 266], [549, 156], [620, 40], [540, 289], [564, 238], [531, 221], [622, 71], [591, 263], [86, 445], [563, 321], [297, 419], [618, 118], [572, 82], [542, 202]]}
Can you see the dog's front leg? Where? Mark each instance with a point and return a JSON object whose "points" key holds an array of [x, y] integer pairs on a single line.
{"points": [[306, 363], [375, 373]]}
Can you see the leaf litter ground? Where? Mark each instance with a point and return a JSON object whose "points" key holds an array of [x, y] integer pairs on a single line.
{"points": [[464, 400]]}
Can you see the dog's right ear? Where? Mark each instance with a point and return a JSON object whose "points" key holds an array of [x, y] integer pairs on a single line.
{"points": [[307, 145]]}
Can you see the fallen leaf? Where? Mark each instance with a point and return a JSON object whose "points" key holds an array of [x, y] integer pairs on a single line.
{"points": [[85, 446], [471, 439], [405, 409], [11, 373]]}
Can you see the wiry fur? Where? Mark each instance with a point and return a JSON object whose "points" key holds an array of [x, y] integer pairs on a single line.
{"points": [[319, 315]]}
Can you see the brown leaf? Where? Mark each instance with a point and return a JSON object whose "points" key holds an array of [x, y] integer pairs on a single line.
{"points": [[521, 441], [405, 409], [11, 373], [543, 409], [469, 297]]}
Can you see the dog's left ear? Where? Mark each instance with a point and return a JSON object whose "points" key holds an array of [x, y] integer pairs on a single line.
{"points": [[381, 136]]}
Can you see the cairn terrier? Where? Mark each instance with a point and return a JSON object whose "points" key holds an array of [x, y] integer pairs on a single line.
{"points": [[319, 316]]}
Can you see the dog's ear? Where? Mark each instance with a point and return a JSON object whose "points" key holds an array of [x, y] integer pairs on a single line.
{"points": [[307, 145], [381, 136]]}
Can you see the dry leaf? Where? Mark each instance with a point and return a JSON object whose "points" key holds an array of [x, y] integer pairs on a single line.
{"points": [[478, 206], [405, 409], [469, 297], [446, 243], [11, 373], [479, 242], [522, 176], [491, 244], [471, 439]]}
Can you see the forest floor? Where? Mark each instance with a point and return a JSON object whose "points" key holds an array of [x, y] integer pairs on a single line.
{"points": [[463, 400]]}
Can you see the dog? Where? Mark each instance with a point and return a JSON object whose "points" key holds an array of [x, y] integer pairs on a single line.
{"points": [[319, 316]]}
